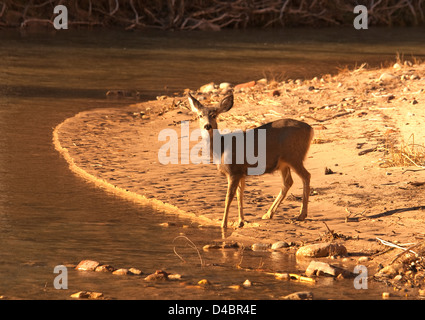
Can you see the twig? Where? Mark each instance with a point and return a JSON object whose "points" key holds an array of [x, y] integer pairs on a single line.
{"points": [[192, 245], [390, 244]]}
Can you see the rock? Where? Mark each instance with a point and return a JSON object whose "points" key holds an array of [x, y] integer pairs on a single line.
{"points": [[174, 276], [247, 283], [159, 275], [87, 295], [225, 86], [245, 85], [302, 295], [122, 272], [207, 88], [135, 271], [260, 246], [387, 77], [414, 77], [316, 266], [398, 277], [389, 271], [279, 244], [262, 82], [204, 282], [105, 268], [397, 65], [321, 250], [363, 259], [87, 265], [386, 295]]}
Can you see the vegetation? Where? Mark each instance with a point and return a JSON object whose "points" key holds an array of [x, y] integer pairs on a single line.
{"points": [[210, 14]]}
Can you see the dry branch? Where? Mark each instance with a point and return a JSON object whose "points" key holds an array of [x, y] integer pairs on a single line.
{"points": [[213, 14]]}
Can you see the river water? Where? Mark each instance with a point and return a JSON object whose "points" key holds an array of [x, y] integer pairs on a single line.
{"points": [[50, 217]]}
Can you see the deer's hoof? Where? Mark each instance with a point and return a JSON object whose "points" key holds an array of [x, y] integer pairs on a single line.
{"points": [[266, 217], [302, 217]]}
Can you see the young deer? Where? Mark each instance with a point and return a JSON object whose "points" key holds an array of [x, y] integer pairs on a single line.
{"points": [[287, 142]]}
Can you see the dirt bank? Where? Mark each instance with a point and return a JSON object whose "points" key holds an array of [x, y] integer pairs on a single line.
{"points": [[364, 120]]}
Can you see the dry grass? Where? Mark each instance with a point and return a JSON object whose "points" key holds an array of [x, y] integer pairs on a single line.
{"points": [[407, 154]]}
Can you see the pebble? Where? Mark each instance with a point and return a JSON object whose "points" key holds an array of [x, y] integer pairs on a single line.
{"points": [[204, 282], [159, 275], [279, 244], [225, 85], [87, 265], [87, 295], [316, 267], [386, 295], [245, 85], [207, 88], [321, 250], [135, 271], [121, 272], [247, 283], [387, 77], [260, 247], [363, 259], [301, 295], [105, 268]]}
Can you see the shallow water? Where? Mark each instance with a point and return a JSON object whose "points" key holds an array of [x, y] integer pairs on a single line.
{"points": [[50, 217]]}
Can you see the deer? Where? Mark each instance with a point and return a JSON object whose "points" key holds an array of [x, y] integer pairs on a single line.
{"points": [[287, 143]]}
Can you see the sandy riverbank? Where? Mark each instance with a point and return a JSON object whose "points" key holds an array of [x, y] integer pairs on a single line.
{"points": [[357, 110]]}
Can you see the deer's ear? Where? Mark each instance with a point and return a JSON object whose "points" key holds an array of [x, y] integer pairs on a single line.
{"points": [[226, 104], [194, 104]]}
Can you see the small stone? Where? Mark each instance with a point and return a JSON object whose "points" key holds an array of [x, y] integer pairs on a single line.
{"points": [[245, 85], [225, 86], [247, 283], [174, 276], [279, 244], [87, 295], [80, 295], [397, 66], [386, 295], [207, 88], [363, 259], [387, 77], [135, 271], [159, 275], [302, 295], [398, 277], [121, 272], [414, 77], [235, 287], [316, 267], [388, 271], [321, 250], [260, 247], [105, 268], [414, 101], [87, 265], [204, 282]]}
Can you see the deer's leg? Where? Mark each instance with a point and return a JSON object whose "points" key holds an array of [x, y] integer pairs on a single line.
{"points": [[232, 185], [305, 177], [239, 194], [287, 184]]}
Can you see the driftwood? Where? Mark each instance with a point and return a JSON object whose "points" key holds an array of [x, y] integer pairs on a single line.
{"points": [[210, 14]]}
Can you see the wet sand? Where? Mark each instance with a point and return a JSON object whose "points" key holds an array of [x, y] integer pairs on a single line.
{"points": [[359, 198]]}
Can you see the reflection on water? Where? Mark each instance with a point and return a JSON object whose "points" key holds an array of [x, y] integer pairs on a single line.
{"points": [[50, 217]]}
